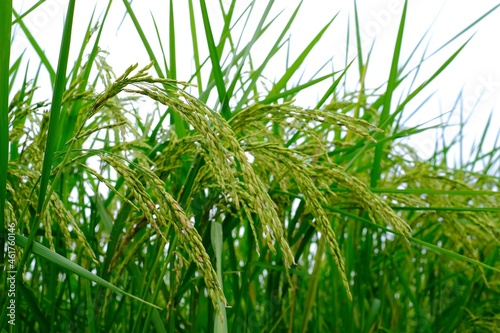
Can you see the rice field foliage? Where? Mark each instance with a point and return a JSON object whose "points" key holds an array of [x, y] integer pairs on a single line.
{"points": [[150, 202]]}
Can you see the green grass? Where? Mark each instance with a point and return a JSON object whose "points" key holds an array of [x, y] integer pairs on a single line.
{"points": [[223, 206]]}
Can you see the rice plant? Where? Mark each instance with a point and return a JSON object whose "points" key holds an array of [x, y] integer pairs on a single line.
{"points": [[145, 201]]}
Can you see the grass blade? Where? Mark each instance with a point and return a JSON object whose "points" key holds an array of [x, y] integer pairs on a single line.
{"points": [[359, 49], [53, 131], [180, 125], [391, 86], [196, 52], [293, 91], [5, 33], [220, 323], [216, 66], [144, 39], [31, 9], [43, 58], [281, 84], [67, 264], [254, 77]]}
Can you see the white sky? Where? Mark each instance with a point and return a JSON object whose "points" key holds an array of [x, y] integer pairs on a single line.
{"points": [[475, 73]]}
